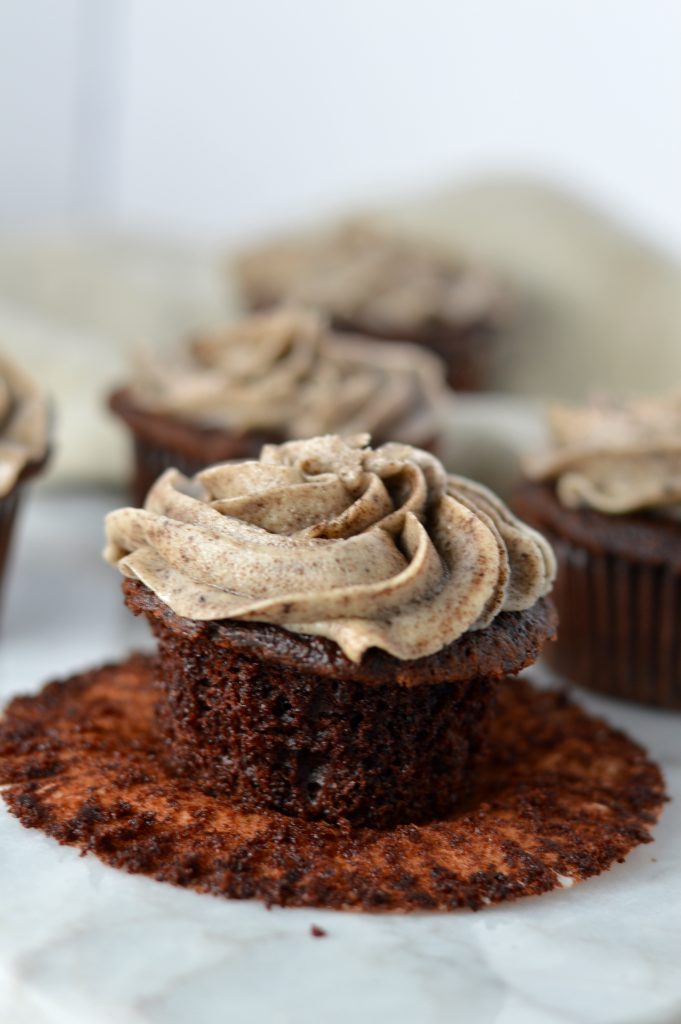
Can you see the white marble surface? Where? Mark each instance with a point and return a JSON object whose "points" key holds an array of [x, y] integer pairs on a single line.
{"points": [[83, 944]]}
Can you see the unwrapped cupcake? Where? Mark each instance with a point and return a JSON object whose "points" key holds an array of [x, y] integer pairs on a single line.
{"points": [[269, 378], [608, 495], [332, 620], [387, 287], [23, 443]]}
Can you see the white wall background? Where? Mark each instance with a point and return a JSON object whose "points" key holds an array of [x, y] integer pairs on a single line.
{"points": [[216, 118]]}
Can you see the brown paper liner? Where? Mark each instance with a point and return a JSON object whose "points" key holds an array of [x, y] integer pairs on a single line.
{"points": [[8, 511], [9, 508], [160, 441], [620, 625], [559, 797], [618, 595]]}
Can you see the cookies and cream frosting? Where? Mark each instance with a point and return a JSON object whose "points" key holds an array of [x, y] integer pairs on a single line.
{"points": [[359, 273], [367, 547], [23, 424], [286, 372], [615, 457]]}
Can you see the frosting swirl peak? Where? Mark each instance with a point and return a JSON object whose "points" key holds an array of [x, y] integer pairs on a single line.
{"points": [[367, 547]]}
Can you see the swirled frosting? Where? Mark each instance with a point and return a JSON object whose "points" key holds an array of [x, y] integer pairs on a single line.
{"points": [[286, 372], [367, 547], [359, 273], [615, 457], [23, 424]]}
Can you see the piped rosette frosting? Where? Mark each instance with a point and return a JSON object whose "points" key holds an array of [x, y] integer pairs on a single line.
{"points": [[23, 424], [613, 457], [285, 372], [330, 537], [358, 272]]}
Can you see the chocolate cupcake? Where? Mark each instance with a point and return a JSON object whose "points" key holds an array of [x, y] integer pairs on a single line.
{"points": [[386, 287], [332, 622], [608, 496], [23, 444], [269, 378]]}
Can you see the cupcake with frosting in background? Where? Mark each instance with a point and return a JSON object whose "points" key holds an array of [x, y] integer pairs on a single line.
{"points": [[387, 287], [607, 493], [333, 620], [23, 444], [269, 378]]}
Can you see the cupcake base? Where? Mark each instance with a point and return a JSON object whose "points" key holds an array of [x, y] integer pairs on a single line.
{"points": [[162, 441], [559, 797], [618, 594], [277, 720]]}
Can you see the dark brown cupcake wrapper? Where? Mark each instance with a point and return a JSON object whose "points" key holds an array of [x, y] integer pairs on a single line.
{"points": [[151, 458], [619, 625], [8, 512]]}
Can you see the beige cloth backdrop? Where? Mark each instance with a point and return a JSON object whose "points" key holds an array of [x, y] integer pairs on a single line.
{"points": [[595, 309]]}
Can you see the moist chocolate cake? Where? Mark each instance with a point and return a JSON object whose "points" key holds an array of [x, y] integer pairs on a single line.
{"points": [[314, 734], [608, 496], [559, 797], [268, 378], [386, 287]]}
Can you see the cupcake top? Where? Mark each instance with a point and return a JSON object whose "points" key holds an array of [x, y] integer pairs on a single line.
{"points": [[287, 373], [330, 537], [615, 457], [23, 424], [359, 274]]}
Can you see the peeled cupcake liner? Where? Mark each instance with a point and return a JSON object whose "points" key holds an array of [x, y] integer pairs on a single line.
{"points": [[559, 797]]}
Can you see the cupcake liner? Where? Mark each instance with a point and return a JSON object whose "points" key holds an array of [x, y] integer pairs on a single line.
{"points": [[559, 796], [151, 459], [618, 625], [8, 510], [160, 441]]}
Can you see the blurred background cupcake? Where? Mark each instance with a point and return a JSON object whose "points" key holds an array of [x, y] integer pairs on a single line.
{"points": [[386, 286], [607, 493], [268, 378], [23, 444]]}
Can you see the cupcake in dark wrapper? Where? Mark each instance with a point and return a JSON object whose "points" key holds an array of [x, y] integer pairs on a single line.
{"points": [[333, 620], [608, 496], [269, 378], [386, 287], [23, 444]]}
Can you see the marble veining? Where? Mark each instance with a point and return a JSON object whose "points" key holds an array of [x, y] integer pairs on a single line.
{"points": [[83, 944]]}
